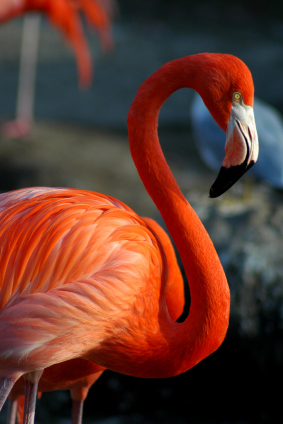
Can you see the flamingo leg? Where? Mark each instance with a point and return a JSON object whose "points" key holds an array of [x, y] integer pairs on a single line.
{"points": [[27, 75], [12, 411], [6, 385], [77, 411], [30, 402]]}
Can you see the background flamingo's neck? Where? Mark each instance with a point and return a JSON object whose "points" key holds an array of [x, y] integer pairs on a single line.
{"points": [[206, 326]]}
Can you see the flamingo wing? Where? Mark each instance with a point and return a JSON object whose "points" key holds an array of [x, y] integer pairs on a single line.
{"points": [[73, 263]]}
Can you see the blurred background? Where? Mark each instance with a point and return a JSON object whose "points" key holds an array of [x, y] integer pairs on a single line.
{"points": [[79, 139]]}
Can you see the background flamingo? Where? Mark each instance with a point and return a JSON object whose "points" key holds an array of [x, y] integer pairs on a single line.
{"points": [[105, 282], [64, 14]]}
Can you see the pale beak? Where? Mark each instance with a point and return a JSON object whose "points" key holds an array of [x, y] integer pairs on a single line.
{"points": [[241, 148]]}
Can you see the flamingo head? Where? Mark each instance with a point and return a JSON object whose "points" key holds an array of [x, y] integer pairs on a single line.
{"points": [[228, 93]]}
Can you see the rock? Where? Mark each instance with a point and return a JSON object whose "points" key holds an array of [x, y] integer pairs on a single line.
{"points": [[247, 231]]}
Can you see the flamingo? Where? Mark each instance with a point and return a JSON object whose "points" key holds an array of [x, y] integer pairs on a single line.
{"points": [[78, 375], [83, 276], [64, 14]]}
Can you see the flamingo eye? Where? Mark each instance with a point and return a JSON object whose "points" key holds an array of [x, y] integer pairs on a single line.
{"points": [[237, 96]]}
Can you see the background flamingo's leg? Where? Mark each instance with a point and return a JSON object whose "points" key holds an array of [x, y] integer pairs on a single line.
{"points": [[28, 63]]}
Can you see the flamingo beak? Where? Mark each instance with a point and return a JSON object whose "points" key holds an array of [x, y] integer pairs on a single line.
{"points": [[241, 148]]}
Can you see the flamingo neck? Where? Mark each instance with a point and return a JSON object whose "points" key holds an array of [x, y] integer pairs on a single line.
{"points": [[205, 328]]}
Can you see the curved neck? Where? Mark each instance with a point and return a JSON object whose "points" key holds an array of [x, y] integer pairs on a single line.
{"points": [[205, 328]]}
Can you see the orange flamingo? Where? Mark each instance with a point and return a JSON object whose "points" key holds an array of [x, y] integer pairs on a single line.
{"points": [[84, 276], [78, 375]]}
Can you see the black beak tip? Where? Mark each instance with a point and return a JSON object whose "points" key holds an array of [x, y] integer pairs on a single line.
{"points": [[228, 177], [223, 182], [213, 193]]}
